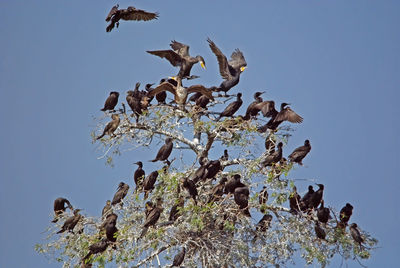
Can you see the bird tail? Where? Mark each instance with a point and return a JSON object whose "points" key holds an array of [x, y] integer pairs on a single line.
{"points": [[103, 110], [61, 231], [101, 136], [110, 27]]}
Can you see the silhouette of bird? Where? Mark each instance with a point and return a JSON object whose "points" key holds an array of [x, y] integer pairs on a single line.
{"points": [[175, 212], [122, 191], [229, 70], [107, 209], [148, 183], [299, 153], [179, 57], [233, 183], [97, 247], [263, 198], [316, 197], [152, 216], [190, 186], [241, 197], [323, 213], [225, 156], [131, 13], [305, 201], [164, 151], [232, 108], [294, 201], [252, 109], [139, 175], [285, 114], [111, 231], [111, 101], [59, 207], [111, 126], [275, 157], [345, 213], [319, 231], [264, 223], [212, 169], [355, 233], [218, 190], [71, 222], [178, 259]]}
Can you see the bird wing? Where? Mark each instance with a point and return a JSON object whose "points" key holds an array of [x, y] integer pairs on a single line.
{"points": [[138, 14], [222, 61], [267, 108], [165, 86], [174, 58], [237, 59], [112, 12], [180, 48], [288, 115], [203, 90]]}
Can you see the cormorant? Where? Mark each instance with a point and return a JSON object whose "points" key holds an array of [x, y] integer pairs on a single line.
{"points": [[229, 70], [323, 213], [316, 197], [263, 198], [175, 212], [131, 13], [71, 222], [202, 101], [148, 183], [59, 207], [178, 259], [305, 201], [294, 201], [164, 151], [345, 213], [212, 169], [111, 101], [179, 57], [355, 233], [225, 156], [111, 126], [299, 153], [97, 247], [273, 158], [152, 216], [231, 109], [120, 194], [218, 190], [285, 114], [319, 231], [233, 183], [241, 197], [107, 209], [264, 223], [252, 111], [189, 185], [111, 230], [139, 175]]}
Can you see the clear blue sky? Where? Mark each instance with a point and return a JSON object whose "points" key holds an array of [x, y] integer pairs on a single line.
{"points": [[337, 62]]}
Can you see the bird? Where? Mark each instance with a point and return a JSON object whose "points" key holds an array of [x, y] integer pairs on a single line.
{"points": [[323, 213], [139, 175], [180, 92], [111, 101], [299, 153], [152, 216], [305, 200], [202, 101], [345, 213], [233, 183], [225, 156], [252, 111], [107, 209], [189, 185], [264, 223], [111, 231], [263, 198], [229, 70], [294, 201], [164, 151], [110, 218], [269, 145], [148, 183], [179, 57], [111, 126], [232, 108], [316, 197], [241, 197], [178, 259], [321, 234], [59, 207], [285, 114], [175, 211], [130, 13], [273, 158], [218, 191], [71, 222], [97, 247], [200, 172], [355, 233], [212, 168], [122, 191]]}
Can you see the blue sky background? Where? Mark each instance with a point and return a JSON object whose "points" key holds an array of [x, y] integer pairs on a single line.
{"points": [[337, 62]]}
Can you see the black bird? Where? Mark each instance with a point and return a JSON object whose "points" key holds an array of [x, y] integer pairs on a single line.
{"points": [[264, 223], [269, 145], [225, 156], [164, 151], [134, 103], [71, 222], [241, 197], [202, 101], [229, 70], [252, 111], [59, 207], [148, 87], [267, 108], [263, 198], [233, 183], [294, 201], [299, 153], [111, 126], [285, 114], [321, 234], [110, 218], [189, 185], [111, 230], [148, 183], [218, 190], [175, 212], [316, 197], [107, 209], [131, 13], [273, 158], [111, 101], [152, 216], [355, 233], [120, 194], [305, 201], [231, 109], [179, 57], [178, 259], [345, 213], [97, 247], [201, 171], [323, 213], [139, 175], [212, 169]]}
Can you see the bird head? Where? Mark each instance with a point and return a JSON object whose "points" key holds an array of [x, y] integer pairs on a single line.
{"points": [[321, 186], [349, 205], [108, 202], [243, 68], [148, 86], [140, 164], [239, 95], [202, 62], [284, 104], [307, 143], [137, 86], [168, 140], [280, 145], [310, 188]]}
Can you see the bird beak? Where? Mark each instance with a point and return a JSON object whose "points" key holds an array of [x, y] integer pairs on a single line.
{"points": [[243, 68], [202, 64], [173, 77]]}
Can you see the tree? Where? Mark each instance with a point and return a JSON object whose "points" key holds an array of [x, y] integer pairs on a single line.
{"points": [[219, 230]]}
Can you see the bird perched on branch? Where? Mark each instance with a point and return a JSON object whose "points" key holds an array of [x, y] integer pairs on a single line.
{"points": [[175, 212], [111, 101], [152, 216], [189, 185], [218, 191], [233, 183], [321, 234], [179, 57], [299, 153], [71, 222], [178, 259], [263, 198], [148, 183], [305, 200], [294, 201], [253, 109], [345, 213], [229, 70], [59, 207], [122, 191], [285, 114], [241, 197], [111, 126], [97, 247], [273, 158], [165, 151], [107, 209], [131, 13], [355, 233], [316, 197], [323, 213], [232, 108], [139, 175]]}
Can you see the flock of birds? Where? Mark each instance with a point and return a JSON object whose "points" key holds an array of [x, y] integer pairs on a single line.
{"points": [[139, 100]]}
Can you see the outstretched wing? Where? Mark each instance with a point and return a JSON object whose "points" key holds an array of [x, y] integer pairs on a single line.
{"points": [[203, 90], [237, 59], [165, 86], [222, 61], [267, 108], [170, 55], [288, 115], [180, 48], [112, 12], [132, 13]]}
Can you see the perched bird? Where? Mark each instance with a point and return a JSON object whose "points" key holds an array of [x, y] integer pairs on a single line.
{"points": [[241, 197], [355, 233], [323, 213], [252, 109], [97, 247], [263, 198], [269, 145], [229, 70], [71, 222], [111, 231], [110, 218], [131, 13], [316, 197], [122, 191], [233, 183], [195, 97], [225, 156], [139, 175], [264, 223], [345, 213], [164, 151], [180, 92], [218, 191], [273, 158], [111, 126], [152, 216], [294, 201], [111, 101], [179, 57], [299, 153], [175, 212], [189, 185], [178, 259], [148, 183], [319, 231], [202, 101], [107, 209], [212, 169], [201, 171], [59, 207], [232, 108], [285, 114], [305, 200]]}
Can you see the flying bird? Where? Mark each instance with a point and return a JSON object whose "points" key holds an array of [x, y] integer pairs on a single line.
{"points": [[111, 101], [130, 13], [111, 126]]}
